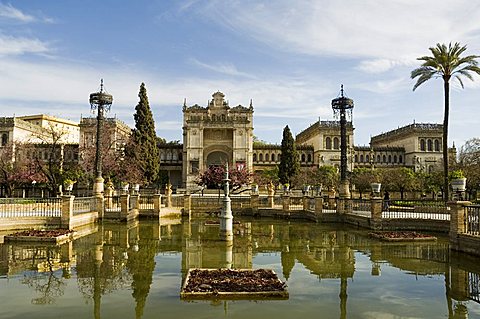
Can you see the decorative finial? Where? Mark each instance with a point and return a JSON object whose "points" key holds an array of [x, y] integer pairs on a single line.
{"points": [[185, 102], [251, 102], [101, 85], [341, 89]]}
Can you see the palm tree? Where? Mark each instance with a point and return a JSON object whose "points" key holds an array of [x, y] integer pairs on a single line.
{"points": [[446, 62]]}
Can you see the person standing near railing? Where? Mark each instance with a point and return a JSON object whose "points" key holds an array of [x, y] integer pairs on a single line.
{"points": [[386, 200]]}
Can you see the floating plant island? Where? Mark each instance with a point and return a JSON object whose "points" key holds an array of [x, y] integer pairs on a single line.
{"points": [[396, 236], [56, 236], [233, 284]]}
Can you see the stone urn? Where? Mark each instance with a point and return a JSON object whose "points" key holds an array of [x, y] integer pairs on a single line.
{"points": [[376, 187]]}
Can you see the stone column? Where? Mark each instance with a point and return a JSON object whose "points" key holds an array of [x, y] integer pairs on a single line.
{"points": [[254, 203], [100, 206], [286, 203], [124, 203], [157, 203], [67, 211], [168, 194], [457, 218], [271, 195], [318, 205], [187, 205], [305, 202], [331, 199], [376, 213]]}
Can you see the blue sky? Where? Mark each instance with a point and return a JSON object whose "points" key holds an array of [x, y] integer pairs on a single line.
{"points": [[290, 59]]}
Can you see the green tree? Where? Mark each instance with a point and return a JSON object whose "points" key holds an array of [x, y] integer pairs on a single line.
{"points": [[469, 162], [147, 154], [362, 178], [327, 176], [446, 62], [289, 162], [401, 179]]}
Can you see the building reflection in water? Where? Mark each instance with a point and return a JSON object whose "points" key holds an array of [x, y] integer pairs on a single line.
{"points": [[120, 256]]}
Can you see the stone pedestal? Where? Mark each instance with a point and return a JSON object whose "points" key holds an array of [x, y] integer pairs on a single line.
{"points": [[344, 190], [376, 212], [226, 220], [254, 203], [457, 218], [67, 211], [187, 205], [98, 186]]}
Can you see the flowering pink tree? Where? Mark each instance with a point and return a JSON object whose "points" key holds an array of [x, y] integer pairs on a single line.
{"points": [[214, 175]]}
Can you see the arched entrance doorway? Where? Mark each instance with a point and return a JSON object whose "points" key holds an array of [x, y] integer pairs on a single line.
{"points": [[216, 158]]}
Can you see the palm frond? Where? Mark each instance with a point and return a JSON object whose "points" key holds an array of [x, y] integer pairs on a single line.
{"points": [[422, 79], [460, 81]]}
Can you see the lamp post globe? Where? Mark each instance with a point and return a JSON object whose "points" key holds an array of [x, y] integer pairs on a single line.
{"points": [[100, 101]]}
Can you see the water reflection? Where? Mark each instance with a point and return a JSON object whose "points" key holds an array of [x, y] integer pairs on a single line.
{"points": [[117, 258]]}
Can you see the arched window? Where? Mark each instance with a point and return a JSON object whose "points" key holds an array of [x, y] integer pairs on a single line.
{"points": [[400, 159], [394, 158], [180, 156], [267, 158], [422, 145], [309, 158], [367, 158], [378, 158], [336, 143], [260, 157], [430, 145], [389, 158], [273, 157], [356, 158], [255, 157], [162, 156], [303, 158], [384, 159], [361, 158], [328, 143], [4, 139], [437, 146]]}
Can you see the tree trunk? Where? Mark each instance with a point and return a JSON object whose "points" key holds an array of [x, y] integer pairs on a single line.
{"points": [[446, 88]]}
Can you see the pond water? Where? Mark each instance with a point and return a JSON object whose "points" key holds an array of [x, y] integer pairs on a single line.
{"points": [[137, 270]]}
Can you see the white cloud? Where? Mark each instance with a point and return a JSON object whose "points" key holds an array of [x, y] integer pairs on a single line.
{"points": [[397, 30], [223, 68], [15, 46], [8, 11]]}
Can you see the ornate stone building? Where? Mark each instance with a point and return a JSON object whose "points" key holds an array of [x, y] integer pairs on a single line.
{"points": [[214, 135], [324, 137]]}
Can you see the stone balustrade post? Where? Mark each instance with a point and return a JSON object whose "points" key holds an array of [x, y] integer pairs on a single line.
{"points": [[286, 203], [305, 202], [67, 211], [157, 203], [254, 203], [124, 204], [457, 218], [187, 205], [376, 212], [318, 205], [271, 200], [168, 195], [99, 201]]}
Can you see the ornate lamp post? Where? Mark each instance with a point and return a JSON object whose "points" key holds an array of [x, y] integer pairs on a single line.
{"points": [[341, 105], [100, 101]]}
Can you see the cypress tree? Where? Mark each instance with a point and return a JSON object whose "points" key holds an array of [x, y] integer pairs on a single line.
{"points": [[289, 163], [147, 154]]}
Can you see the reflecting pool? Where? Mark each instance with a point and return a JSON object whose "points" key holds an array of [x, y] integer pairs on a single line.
{"points": [[137, 270]]}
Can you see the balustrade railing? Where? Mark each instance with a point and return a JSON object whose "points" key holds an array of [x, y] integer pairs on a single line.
{"points": [[415, 209], [112, 204], [83, 205], [472, 222], [30, 207], [296, 203], [146, 202]]}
